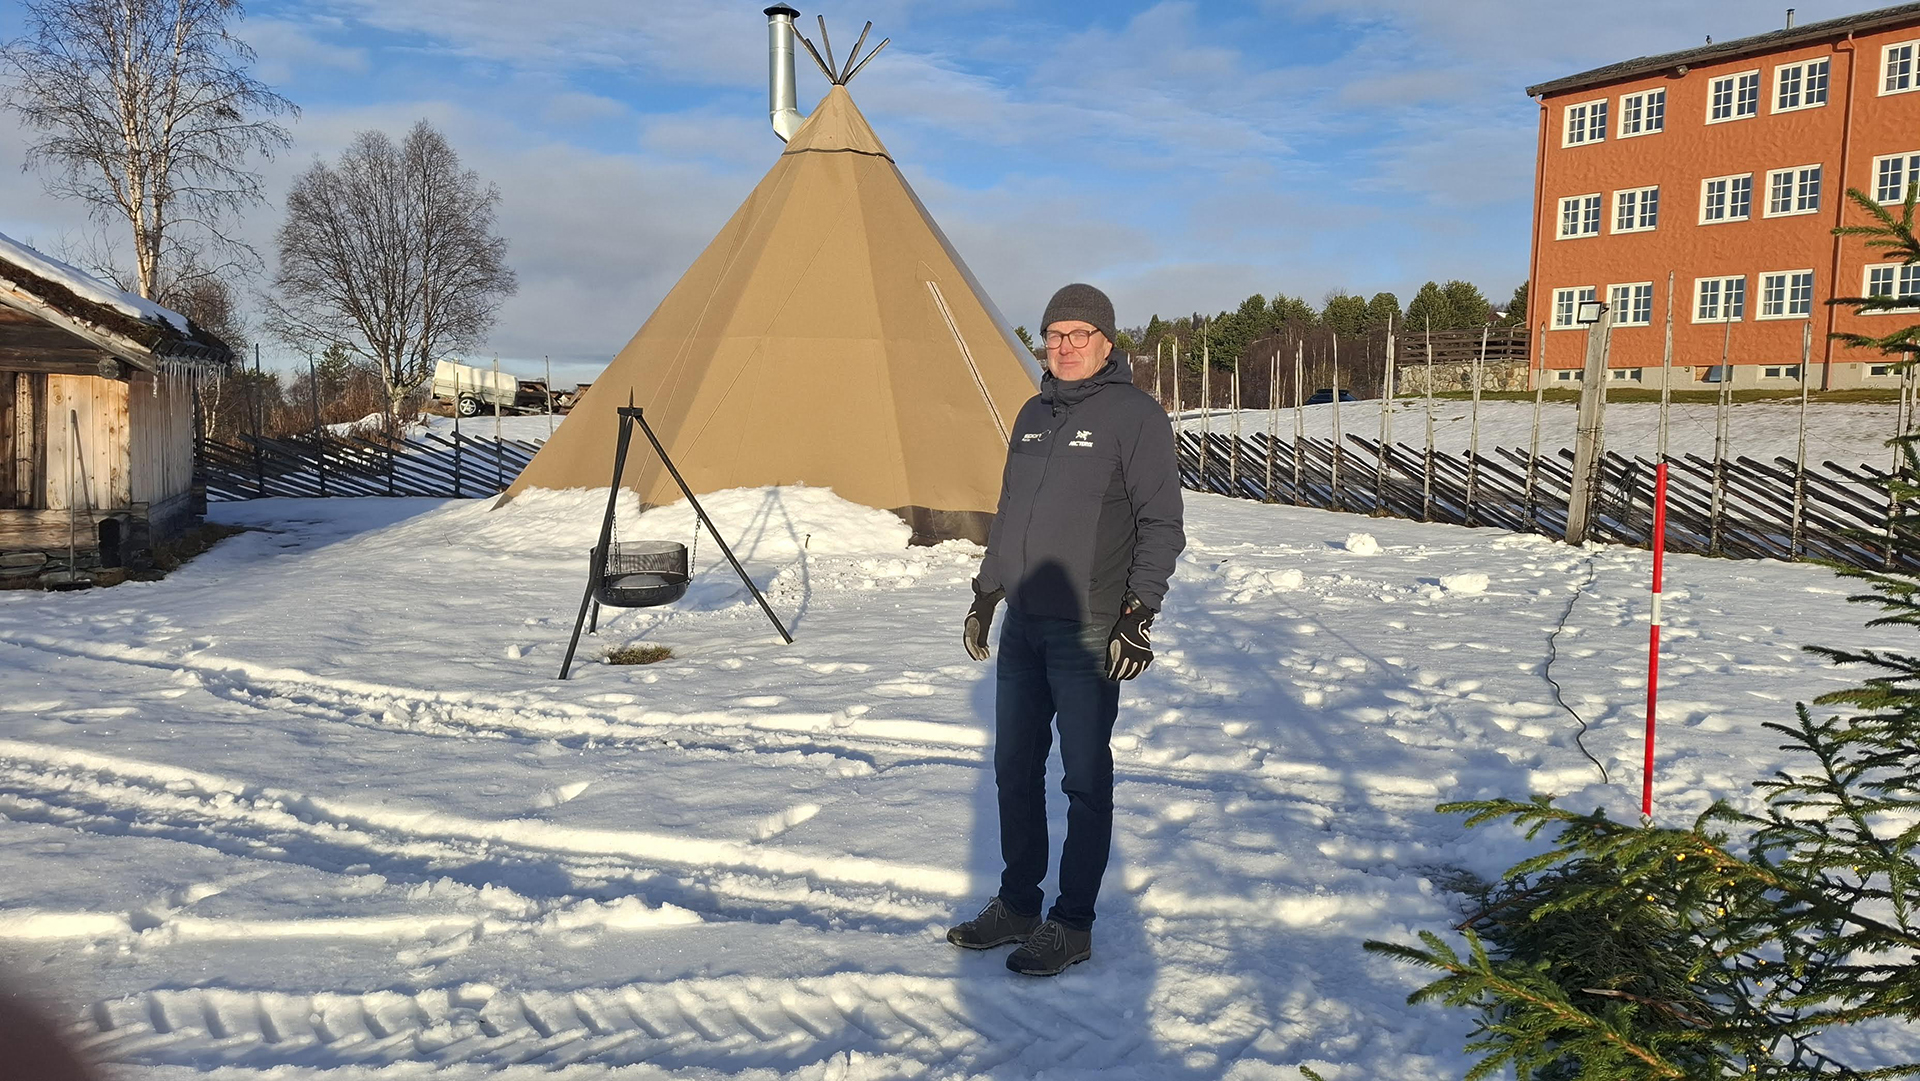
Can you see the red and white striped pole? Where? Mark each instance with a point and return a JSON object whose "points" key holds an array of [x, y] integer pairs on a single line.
{"points": [[1653, 632]]}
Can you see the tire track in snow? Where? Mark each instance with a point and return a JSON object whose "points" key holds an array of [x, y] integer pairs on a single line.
{"points": [[879, 743], [719, 1023], [111, 795], [724, 879]]}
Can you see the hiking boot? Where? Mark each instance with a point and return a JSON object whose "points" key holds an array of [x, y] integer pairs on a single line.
{"points": [[1051, 949], [996, 925]]}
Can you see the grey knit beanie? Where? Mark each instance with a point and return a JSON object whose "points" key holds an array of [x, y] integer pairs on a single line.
{"points": [[1082, 302]]}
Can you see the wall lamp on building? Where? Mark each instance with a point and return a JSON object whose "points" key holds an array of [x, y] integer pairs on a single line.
{"points": [[1588, 312]]}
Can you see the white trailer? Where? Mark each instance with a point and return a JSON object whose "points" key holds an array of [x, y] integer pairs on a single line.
{"points": [[473, 390]]}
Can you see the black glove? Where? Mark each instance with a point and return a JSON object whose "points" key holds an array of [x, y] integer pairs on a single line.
{"points": [[1130, 646], [979, 622]]}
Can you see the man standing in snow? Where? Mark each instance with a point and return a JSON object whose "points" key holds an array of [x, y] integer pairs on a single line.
{"points": [[1081, 548]]}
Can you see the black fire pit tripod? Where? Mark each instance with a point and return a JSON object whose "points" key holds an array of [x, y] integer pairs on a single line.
{"points": [[651, 573]]}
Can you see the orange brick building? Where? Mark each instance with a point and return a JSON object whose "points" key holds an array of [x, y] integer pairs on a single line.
{"points": [[1727, 166]]}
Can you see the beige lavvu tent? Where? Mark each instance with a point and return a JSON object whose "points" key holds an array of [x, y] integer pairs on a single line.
{"points": [[829, 336]]}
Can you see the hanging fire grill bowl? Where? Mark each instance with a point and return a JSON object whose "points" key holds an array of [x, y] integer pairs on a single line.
{"points": [[642, 574]]}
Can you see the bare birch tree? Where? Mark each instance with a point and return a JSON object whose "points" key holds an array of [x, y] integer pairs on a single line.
{"points": [[146, 113], [390, 253]]}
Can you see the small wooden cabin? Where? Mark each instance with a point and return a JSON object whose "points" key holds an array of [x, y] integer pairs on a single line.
{"points": [[97, 390]]}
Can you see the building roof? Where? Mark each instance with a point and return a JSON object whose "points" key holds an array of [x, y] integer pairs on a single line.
{"points": [[1772, 41], [130, 327]]}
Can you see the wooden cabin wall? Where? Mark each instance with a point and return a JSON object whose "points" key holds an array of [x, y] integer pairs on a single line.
{"points": [[160, 410], [100, 406]]}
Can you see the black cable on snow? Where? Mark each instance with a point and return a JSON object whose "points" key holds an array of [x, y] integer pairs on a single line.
{"points": [[1553, 651]]}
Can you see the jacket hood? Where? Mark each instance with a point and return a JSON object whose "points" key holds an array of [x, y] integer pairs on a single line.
{"points": [[1062, 393]]}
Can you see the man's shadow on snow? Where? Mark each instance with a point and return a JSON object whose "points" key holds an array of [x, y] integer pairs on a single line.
{"points": [[1095, 1015]]}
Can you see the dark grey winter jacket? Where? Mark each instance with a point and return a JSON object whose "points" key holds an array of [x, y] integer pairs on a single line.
{"points": [[1090, 502]]}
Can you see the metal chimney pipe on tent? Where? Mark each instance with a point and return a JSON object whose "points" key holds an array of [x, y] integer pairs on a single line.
{"points": [[782, 99]]}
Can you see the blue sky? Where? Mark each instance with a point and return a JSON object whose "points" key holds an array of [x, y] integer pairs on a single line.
{"points": [[1181, 154]]}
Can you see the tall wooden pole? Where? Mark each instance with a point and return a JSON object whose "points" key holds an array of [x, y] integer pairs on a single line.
{"points": [[1590, 438], [1386, 427], [319, 433], [1339, 498], [1800, 454], [1179, 423], [1299, 413], [1473, 426], [1426, 470], [1273, 417], [1233, 459], [1206, 414], [1720, 437], [1533, 446]]}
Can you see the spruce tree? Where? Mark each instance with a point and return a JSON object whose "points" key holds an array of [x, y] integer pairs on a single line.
{"points": [[1343, 313], [1734, 946], [1429, 308]]}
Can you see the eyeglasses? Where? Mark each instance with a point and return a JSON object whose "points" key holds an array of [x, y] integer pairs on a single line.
{"points": [[1079, 338]]}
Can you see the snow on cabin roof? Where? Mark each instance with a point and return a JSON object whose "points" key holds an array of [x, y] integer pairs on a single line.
{"points": [[131, 327]]}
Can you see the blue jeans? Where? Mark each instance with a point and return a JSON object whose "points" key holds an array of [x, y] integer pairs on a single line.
{"points": [[1054, 670]]}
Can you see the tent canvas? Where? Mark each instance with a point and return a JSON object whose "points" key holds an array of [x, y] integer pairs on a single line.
{"points": [[829, 335]]}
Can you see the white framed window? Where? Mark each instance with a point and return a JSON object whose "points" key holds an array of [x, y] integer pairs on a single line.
{"points": [[1586, 123], [1793, 191], [1643, 113], [1892, 173], [1632, 304], [1726, 198], [1802, 85], [1786, 294], [1624, 375], [1580, 215], [1567, 375], [1896, 66], [1719, 300], [1636, 210], [1780, 371], [1899, 280], [1566, 305], [1881, 369], [1733, 97], [1713, 373]]}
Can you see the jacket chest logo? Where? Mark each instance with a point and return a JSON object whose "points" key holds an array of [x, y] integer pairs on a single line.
{"points": [[1081, 439], [1034, 437]]}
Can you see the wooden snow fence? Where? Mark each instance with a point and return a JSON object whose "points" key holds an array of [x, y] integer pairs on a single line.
{"points": [[1766, 510], [354, 465]]}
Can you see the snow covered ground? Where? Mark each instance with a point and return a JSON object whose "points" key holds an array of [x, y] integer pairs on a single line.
{"points": [[315, 806]]}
